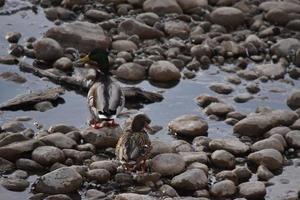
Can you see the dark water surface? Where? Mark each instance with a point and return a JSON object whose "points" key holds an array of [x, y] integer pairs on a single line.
{"points": [[177, 100]]}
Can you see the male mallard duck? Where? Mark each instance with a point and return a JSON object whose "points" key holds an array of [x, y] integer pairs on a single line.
{"points": [[105, 97], [134, 146]]}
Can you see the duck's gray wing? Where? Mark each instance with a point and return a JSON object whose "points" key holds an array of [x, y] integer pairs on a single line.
{"points": [[116, 98]]}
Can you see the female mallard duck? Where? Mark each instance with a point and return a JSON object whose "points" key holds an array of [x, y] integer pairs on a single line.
{"points": [[105, 97], [133, 147]]}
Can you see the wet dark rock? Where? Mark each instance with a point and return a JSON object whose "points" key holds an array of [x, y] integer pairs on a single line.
{"points": [[16, 50], [234, 79], [255, 125], [227, 16], [58, 197], [205, 100], [161, 8], [134, 27], [188, 125], [63, 63], [168, 190], [252, 190], [12, 76], [190, 157], [77, 156], [102, 138], [11, 138], [273, 71], [164, 71], [14, 150], [6, 166], [28, 165], [83, 36], [14, 184], [47, 49], [13, 37], [59, 140], [99, 175], [93, 194], [221, 88], [277, 16], [248, 74], [43, 106], [159, 147], [224, 188], [270, 158], [55, 13], [8, 60], [243, 173], [264, 173], [13, 126], [131, 72], [269, 143], [109, 165], [218, 109], [284, 47], [294, 25], [293, 100], [29, 100], [192, 179], [253, 88], [133, 196], [233, 146], [47, 155], [242, 97], [168, 164], [18, 174], [177, 29], [62, 180], [293, 139], [124, 45], [97, 15], [223, 159], [148, 18], [124, 179]]}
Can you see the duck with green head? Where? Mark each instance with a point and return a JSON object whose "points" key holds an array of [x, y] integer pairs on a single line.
{"points": [[105, 97]]}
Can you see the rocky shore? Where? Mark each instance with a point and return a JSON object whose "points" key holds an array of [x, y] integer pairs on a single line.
{"points": [[250, 43]]}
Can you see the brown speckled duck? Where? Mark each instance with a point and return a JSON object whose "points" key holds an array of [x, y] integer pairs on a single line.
{"points": [[134, 146]]}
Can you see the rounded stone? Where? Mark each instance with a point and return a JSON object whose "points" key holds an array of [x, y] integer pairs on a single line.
{"points": [[47, 155], [164, 71], [224, 188], [223, 159], [168, 164], [47, 49], [131, 72]]}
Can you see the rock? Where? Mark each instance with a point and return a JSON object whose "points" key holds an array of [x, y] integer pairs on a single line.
{"points": [[248, 74], [243, 173], [192, 179], [205, 100], [93, 194], [147, 177], [228, 17], [29, 100], [148, 18], [288, 6], [164, 71], [190, 157], [59, 140], [6, 166], [97, 15], [188, 125], [100, 175], [264, 173], [63, 63], [161, 8], [83, 36], [277, 16], [14, 184], [294, 25], [269, 143], [218, 109], [28, 165], [124, 179], [18, 174], [62, 180], [102, 138], [13, 76], [233, 146], [14, 150], [124, 45], [242, 97], [159, 147], [108, 165], [224, 188], [281, 130], [58, 197], [221, 88], [13, 126], [191, 6], [273, 71], [77, 156], [252, 190], [8, 60], [47, 155], [62, 128], [133, 196], [43, 106], [227, 175], [293, 100], [255, 125], [134, 27], [12, 138], [131, 72], [197, 165], [55, 13], [270, 158], [177, 29], [201, 50], [167, 190], [168, 164], [284, 47], [13, 37], [223, 159], [181, 146], [47, 49], [201, 141], [293, 139], [71, 3]]}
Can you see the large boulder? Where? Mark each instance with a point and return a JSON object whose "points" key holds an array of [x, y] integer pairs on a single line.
{"points": [[270, 158], [83, 36], [59, 140], [164, 71], [188, 125], [233, 146], [47, 49], [285, 47], [192, 179], [134, 27], [168, 164], [162, 7], [228, 17], [63, 180]]}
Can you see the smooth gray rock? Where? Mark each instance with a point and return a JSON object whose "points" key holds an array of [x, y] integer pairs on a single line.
{"points": [[47, 155], [131, 72], [270, 158], [168, 164], [223, 159], [224, 188], [164, 71], [192, 179], [233, 146], [228, 17], [59, 140], [252, 190], [161, 8], [47, 49], [293, 139]]}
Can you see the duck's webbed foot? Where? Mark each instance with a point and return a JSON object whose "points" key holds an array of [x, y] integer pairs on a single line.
{"points": [[96, 124], [112, 123]]}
